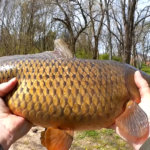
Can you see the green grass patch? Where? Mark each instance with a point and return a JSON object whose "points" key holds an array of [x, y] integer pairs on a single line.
{"points": [[145, 68], [104, 139], [91, 133]]}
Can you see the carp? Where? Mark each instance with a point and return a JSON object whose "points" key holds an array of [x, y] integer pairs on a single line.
{"points": [[64, 95]]}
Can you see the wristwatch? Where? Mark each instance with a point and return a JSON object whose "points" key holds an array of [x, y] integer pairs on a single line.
{"points": [[1, 148], [146, 145]]}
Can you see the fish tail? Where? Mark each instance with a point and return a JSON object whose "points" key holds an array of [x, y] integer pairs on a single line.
{"points": [[133, 123]]}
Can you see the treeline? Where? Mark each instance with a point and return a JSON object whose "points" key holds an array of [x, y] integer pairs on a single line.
{"points": [[116, 27]]}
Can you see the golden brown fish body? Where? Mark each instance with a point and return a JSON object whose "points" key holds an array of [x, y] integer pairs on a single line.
{"points": [[66, 93], [69, 93]]}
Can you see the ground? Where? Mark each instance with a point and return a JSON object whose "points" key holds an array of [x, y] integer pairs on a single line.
{"points": [[87, 140]]}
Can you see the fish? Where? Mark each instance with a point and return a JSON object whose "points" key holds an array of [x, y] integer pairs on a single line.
{"points": [[65, 95]]}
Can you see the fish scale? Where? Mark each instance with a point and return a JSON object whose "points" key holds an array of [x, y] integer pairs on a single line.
{"points": [[72, 89]]}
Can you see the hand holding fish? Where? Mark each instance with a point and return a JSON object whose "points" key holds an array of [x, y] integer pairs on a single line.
{"points": [[144, 90], [12, 127]]}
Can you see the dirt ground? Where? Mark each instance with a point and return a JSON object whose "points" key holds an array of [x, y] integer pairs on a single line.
{"points": [[31, 141], [104, 139]]}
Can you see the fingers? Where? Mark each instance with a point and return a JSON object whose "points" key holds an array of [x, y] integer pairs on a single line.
{"points": [[4, 89], [7, 86], [142, 85], [144, 92], [3, 109]]}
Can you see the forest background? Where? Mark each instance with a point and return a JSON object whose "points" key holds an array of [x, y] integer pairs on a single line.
{"points": [[98, 29]]}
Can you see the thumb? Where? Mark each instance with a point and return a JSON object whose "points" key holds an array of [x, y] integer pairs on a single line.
{"points": [[142, 85], [7, 86], [4, 89], [144, 92]]}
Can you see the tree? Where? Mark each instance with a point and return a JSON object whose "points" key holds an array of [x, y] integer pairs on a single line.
{"points": [[91, 26], [73, 17], [107, 3], [96, 14], [128, 15], [126, 19], [26, 27]]}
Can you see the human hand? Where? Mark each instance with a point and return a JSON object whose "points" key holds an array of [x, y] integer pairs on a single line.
{"points": [[144, 90], [12, 127]]}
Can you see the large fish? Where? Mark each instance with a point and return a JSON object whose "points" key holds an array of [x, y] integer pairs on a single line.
{"points": [[64, 95]]}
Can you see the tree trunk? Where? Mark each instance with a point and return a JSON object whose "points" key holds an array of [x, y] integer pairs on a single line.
{"points": [[109, 31], [128, 46], [95, 48], [72, 45], [128, 19]]}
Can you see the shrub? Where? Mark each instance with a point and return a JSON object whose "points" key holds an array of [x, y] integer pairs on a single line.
{"points": [[104, 56], [81, 53]]}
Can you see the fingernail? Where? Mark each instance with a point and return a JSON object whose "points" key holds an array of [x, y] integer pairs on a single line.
{"points": [[138, 73], [13, 79]]}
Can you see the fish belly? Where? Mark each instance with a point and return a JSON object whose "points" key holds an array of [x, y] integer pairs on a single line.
{"points": [[70, 93]]}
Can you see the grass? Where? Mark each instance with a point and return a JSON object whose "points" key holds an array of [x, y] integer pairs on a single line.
{"points": [[92, 134], [104, 139]]}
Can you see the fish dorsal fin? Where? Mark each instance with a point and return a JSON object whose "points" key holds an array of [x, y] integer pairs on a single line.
{"points": [[62, 49], [133, 123], [56, 139]]}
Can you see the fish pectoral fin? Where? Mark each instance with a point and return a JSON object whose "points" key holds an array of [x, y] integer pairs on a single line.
{"points": [[56, 139], [43, 138], [133, 123]]}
